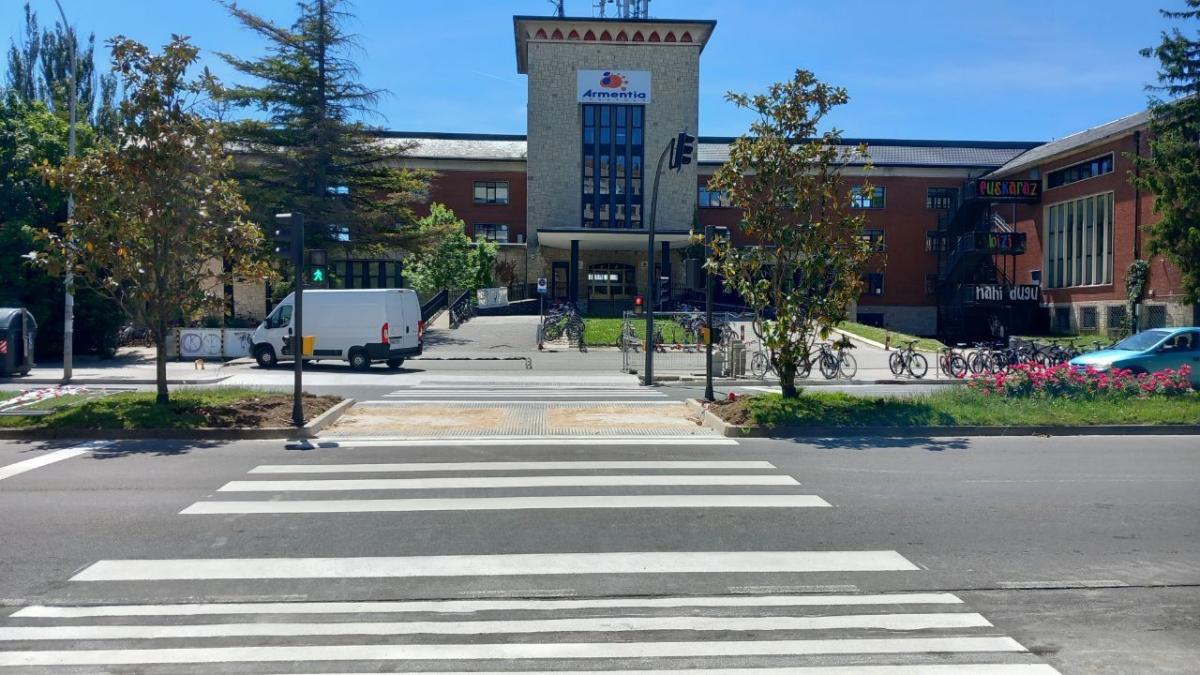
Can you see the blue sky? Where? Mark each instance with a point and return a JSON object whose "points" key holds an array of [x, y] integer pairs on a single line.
{"points": [[938, 69]]}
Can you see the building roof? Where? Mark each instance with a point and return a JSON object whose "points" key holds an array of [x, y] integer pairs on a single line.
{"points": [[615, 31], [715, 149], [1068, 144], [895, 152]]}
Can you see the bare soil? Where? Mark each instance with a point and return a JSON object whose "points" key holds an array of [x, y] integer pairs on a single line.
{"points": [[268, 410], [732, 412]]}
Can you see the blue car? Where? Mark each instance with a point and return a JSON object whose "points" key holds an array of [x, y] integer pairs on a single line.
{"points": [[1149, 351]]}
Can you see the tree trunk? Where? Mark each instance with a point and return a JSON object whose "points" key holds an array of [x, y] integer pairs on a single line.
{"points": [[160, 365], [787, 380]]}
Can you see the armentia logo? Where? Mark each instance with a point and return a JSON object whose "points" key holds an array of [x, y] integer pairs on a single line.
{"points": [[611, 80]]}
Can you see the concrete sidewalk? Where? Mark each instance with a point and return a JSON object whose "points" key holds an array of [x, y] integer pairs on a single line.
{"points": [[131, 365]]}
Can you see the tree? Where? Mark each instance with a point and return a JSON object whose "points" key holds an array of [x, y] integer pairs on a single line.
{"points": [[803, 272], [454, 261], [1171, 169], [158, 222], [309, 153]]}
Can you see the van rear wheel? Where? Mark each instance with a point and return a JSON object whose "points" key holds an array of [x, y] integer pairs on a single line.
{"points": [[395, 364], [359, 359], [265, 356]]}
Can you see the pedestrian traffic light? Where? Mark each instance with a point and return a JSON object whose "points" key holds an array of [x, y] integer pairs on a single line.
{"points": [[685, 147]]}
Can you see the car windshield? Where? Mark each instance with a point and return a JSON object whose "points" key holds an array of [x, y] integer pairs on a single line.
{"points": [[1142, 341]]}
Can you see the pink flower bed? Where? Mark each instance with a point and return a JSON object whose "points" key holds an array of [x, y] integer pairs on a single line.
{"points": [[1033, 380]]}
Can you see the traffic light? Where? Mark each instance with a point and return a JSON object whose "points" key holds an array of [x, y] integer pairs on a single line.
{"points": [[289, 236], [664, 292], [685, 147], [318, 269], [282, 236]]}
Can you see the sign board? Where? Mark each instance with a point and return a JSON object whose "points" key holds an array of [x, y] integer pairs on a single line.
{"points": [[612, 86], [541, 284], [1000, 293], [1008, 190]]}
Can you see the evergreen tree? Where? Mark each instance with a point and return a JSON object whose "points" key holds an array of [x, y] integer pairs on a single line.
{"points": [[23, 58], [311, 153], [1171, 170]]}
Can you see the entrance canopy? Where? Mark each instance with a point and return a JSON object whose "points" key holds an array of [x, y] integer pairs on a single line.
{"points": [[594, 239]]}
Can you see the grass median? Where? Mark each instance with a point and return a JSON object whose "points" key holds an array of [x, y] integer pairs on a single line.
{"points": [[880, 334], [606, 331], [954, 407], [188, 409]]}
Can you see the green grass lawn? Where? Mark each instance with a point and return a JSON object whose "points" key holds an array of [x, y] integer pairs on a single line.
{"points": [[4, 395], [188, 409], [878, 335], [955, 407], [606, 331]]}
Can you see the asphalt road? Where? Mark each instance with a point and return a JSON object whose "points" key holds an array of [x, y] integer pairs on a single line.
{"points": [[1086, 551]]}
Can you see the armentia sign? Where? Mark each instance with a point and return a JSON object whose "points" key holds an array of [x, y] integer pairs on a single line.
{"points": [[613, 86], [1008, 190]]}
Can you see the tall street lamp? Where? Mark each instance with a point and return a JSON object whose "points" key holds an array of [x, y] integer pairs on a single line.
{"points": [[69, 280]]}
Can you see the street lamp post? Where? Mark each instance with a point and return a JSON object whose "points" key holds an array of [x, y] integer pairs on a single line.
{"points": [[69, 280], [651, 277], [708, 318]]}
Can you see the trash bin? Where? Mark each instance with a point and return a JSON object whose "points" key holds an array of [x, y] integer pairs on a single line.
{"points": [[17, 330]]}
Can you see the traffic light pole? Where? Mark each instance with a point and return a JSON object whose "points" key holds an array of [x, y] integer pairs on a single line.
{"points": [[296, 252], [651, 276], [708, 319]]}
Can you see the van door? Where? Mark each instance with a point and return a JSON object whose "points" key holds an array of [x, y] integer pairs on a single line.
{"points": [[277, 326]]}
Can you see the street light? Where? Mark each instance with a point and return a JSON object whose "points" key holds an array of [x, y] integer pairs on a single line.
{"points": [[69, 280]]}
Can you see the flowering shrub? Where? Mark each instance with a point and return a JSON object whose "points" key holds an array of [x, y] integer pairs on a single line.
{"points": [[1033, 380]]}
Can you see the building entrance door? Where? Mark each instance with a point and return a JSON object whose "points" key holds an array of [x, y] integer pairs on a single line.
{"points": [[558, 281]]}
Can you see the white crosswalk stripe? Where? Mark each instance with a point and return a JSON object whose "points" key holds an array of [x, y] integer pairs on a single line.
{"points": [[815, 633]]}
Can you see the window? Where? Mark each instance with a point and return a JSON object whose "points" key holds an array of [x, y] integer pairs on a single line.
{"points": [[612, 166], [280, 317], [1115, 317], [712, 199], [1156, 316], [941, 199], [875, 200], [1062, 319], [935, 241], [873, 238], [491, 192], [1081, 171], [611, 281], [931, 284], [872, 283], [489, 232], [1079, 236], [1088, 318], [870, 319], [1035, 277]]}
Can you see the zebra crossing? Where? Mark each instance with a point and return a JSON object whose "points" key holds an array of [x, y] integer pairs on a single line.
{"points": [[705, 633]]}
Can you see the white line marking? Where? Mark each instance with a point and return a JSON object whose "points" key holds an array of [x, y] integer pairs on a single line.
{"points": [[521, 564], [469, 606], [919, 669], [410, 442], [41, 460], [506, 466], [508, 504], [567, 650], [575, 625], [1069, 583], [500, 482]]}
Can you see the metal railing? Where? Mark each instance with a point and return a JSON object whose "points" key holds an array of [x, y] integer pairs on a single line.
{"points": [[434, 305]]}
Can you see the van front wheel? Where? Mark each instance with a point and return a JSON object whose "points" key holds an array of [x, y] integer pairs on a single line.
{"points": [[395, 364], [359, 359], [265, 355]]}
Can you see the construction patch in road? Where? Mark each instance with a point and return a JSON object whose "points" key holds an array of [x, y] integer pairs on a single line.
{"points": [[452, 419]]}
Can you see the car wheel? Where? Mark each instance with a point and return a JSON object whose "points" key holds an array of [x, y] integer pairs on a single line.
{"points": [[265, 355], [395, 364], [359, 359]]}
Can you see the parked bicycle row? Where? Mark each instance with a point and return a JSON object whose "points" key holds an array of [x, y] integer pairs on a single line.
{"points": [[833, 360], [982, 357]]}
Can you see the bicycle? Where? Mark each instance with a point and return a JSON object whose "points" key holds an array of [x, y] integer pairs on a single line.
{"points": [[835, 360], [907, 359], [951, 361]]}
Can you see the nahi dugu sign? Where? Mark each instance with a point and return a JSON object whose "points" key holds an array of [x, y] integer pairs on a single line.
{"points": [[1001, 293], [613, 86]]}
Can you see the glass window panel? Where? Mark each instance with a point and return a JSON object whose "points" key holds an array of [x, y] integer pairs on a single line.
{"points": [[605, 115], [589, 115], [637, 116], [621, 116], [605, 136], [480, 192], [589, 136]]}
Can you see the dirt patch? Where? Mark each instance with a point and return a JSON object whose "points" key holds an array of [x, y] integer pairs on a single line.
{"points": [[619, 416], [419, 418], [263, 411], [733, 412]]}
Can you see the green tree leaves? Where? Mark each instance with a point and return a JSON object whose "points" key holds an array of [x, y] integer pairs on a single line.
{"points": [[453, 262]]}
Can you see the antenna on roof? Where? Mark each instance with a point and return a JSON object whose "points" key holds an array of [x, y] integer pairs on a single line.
{"points": [[625, 9], [558, 7]]}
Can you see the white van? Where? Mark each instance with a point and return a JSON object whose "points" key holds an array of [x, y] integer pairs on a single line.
{"points": [[360, 326]]}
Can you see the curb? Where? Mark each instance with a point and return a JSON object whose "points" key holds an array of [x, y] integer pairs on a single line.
{"points": [[309, 430], [710, 420], [83, 382]]}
